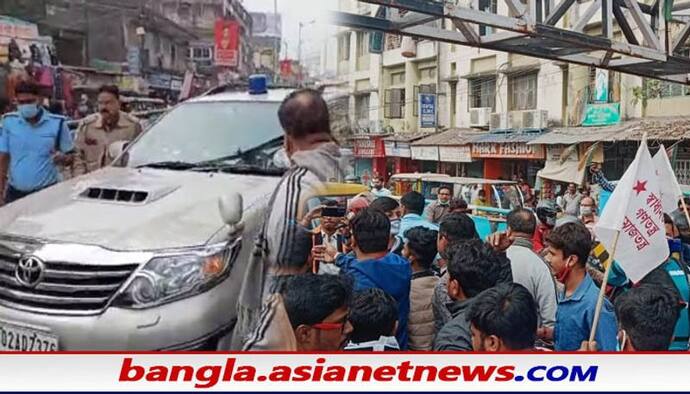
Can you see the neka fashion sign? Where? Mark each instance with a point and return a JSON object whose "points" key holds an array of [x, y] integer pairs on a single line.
{"points": [[513, 150]]}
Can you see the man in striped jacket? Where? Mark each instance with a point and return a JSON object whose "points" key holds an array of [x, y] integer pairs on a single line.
{"points": [[315, 159]]}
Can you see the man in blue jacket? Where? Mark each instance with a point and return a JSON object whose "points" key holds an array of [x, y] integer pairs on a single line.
{"points": [[372, 265]]}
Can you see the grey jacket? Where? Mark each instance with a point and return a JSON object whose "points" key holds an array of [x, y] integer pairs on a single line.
{"points": [[532, 272], [456, 334]]}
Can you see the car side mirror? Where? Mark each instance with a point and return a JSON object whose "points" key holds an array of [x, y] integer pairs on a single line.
{"points": [[116, 148], [231, 209]]}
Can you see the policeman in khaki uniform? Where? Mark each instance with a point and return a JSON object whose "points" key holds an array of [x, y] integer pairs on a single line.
{"points": [[98, 131]]}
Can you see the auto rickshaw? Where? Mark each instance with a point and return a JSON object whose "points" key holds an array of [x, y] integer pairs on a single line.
{"points": [[425, 183]]}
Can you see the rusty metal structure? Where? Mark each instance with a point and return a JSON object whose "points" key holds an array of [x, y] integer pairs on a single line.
{"points": [[650, 44]]}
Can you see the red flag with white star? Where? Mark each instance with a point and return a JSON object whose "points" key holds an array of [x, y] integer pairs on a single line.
{"points": [[635, 209]]}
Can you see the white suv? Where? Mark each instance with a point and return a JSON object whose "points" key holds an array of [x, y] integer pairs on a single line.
{"points": [[137, 256]]}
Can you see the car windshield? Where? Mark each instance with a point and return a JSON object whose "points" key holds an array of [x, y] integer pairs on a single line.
{"points": [[206, 131]]}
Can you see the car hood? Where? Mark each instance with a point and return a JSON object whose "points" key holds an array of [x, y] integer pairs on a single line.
{"points": [[180, 208]]}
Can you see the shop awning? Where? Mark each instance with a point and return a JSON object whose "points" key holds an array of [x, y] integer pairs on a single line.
{"points": [[454, 136], [406, 137], [657, 128], [576, 135], [506, 137]]}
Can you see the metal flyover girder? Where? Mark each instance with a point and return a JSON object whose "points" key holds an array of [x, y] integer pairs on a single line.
{"points": [[525, 36]]}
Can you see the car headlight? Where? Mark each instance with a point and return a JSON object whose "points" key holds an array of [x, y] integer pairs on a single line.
{"points": [[171, 277]]}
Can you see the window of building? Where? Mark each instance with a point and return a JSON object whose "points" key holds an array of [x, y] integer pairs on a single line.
{"points": [[482, 92], [362, 107], [522, 92], [431, 89], [427, 73], [394, 103], [344, 47], [184, 11], [398, 78], [487, 6], [173, 53], [201, 53], [362, 43]]}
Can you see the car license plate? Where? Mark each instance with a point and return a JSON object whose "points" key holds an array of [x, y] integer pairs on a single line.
{"points": [[21, 339]]}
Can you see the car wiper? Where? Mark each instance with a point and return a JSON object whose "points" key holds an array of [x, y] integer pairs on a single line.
{"points": [[241, 154], [169, 165], [252, 169]]}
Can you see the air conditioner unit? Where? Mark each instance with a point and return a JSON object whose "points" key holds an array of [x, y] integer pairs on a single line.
{"points": [[500, 121], [515, 120], [479, 117], [535, 119]]}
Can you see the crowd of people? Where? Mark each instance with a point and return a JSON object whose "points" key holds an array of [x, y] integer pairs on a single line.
{"points": [[402, 277]]}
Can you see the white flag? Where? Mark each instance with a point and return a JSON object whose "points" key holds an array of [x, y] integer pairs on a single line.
{"points": [[635, 210], [668, 183]]}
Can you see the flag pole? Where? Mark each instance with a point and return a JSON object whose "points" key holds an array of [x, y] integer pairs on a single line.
{"points": [[602, 290]]}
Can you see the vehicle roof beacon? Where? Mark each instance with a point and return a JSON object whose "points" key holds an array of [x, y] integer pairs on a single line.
{"points": [[258, 84]]}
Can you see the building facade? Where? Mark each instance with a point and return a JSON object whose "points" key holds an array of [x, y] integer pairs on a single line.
{"points": [[200, 16], [502, 101]]}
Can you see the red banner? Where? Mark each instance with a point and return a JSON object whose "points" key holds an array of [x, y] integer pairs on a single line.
{"points": [[227, 39], [285, 68], [369, 148]]}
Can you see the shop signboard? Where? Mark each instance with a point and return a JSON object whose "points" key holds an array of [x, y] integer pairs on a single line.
{"points": [[133, 60], [187, 84], [176, 83], [428, 153], [510, 150], [159, 81], [427, 110], [266, 24], [455, 154], [605, 114], [369, 148], [554, 153], [15, 28], [397, 149]]}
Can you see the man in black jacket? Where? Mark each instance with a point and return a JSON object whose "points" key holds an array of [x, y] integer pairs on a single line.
{"points": [[474, 266]]}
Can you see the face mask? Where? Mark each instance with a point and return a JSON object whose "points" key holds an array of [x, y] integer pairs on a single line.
{"points": [[28, 111], [586, 211], [564, 274], [444, 203]]}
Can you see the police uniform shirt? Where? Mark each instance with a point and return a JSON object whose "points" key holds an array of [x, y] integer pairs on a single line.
{"points": [[31, 148], [94, 138]]}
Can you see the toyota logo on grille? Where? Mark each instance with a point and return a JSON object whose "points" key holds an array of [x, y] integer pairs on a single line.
{"points": [[29, 271]]}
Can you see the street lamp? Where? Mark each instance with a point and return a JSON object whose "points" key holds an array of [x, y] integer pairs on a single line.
{"points": [[299, 43], [141, 33]]}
